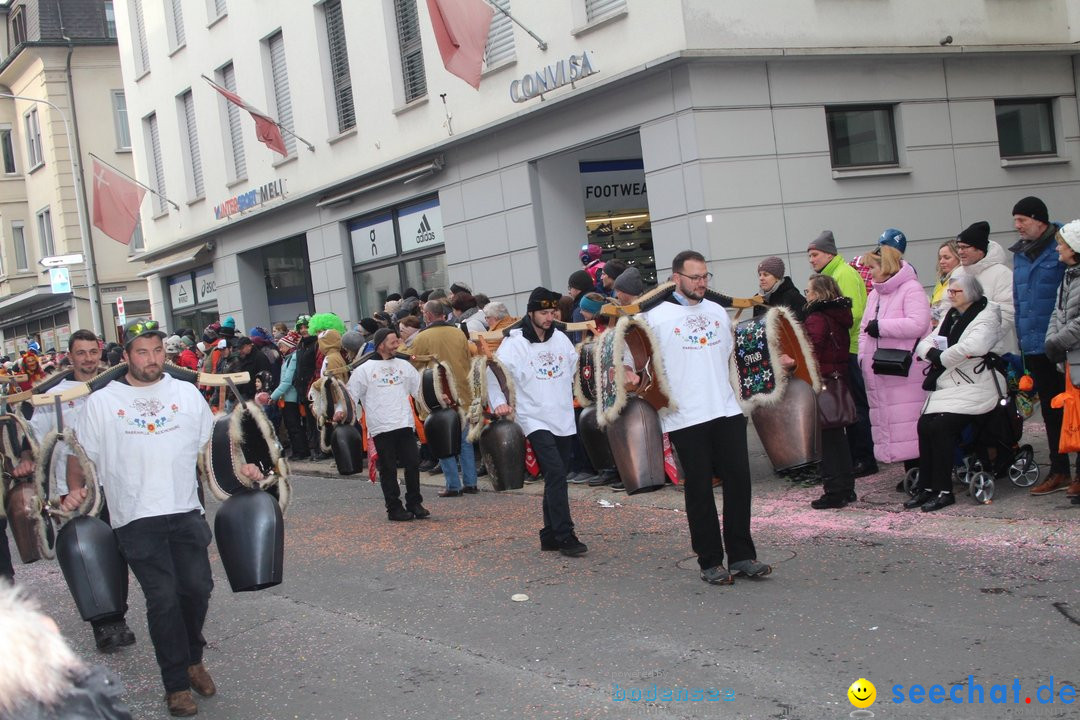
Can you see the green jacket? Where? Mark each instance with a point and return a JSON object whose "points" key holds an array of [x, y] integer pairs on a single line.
{"points": [[851, 286]]}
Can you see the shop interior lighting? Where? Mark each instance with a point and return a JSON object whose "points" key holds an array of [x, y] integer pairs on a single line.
{"points": [[617, 218]]}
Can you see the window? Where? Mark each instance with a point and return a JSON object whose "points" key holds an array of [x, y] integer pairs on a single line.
{"points": [[138, 244], [175, 21], [18, 25], [500, 42], [45, 237], [860, 136], [282, 99], [8, 151], [217, 8], [33, 140], [142, 55], [235, 139], [1025, 127], [19, 236], [595, 9], [110, 20], [120, 120], [192, 154], [412, 53], [339, 65], [157, 169]]}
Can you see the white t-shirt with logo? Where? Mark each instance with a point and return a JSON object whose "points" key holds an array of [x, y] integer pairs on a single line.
{"points": [[145, 443], [543, 375], [44, 421], [383, 387], [696, 342]]}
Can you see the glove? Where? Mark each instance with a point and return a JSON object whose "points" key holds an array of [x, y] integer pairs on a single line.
{"points": [[872, 329], [934, 356]]}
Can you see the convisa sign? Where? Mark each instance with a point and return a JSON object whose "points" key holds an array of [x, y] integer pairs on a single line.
{"points": [[553, 76]]}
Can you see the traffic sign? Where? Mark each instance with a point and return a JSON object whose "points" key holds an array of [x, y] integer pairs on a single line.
{"points": [[60, 279], [60, 260], [120, 316]]}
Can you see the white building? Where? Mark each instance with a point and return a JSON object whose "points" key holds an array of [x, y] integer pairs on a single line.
{"points": [[740, 129]]}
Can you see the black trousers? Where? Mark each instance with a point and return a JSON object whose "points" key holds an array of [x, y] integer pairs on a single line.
{"points": [[7, 570], [393, 446], [298, 440], [311, 429], [168, 555], [553, 453], [836, 463], [860, 438], [1049, 382], [721, 444], [939, 436]]}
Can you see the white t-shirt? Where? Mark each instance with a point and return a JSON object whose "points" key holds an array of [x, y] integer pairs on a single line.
{"points": [[383, 388], [696, 342], [44, 421], [145, 443], [543, 375]]}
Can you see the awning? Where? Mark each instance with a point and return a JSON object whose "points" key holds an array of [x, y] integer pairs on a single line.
{"points": [[181, 262], [33, 304]]}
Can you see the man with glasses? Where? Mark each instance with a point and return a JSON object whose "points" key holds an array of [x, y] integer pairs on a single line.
{"points": [[144, 432], [707, 426], [985, 260]]}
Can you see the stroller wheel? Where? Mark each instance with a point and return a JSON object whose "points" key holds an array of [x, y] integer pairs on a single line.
{"points": [[968, 466], [911, 481], [982, 487], [1024, 471]]}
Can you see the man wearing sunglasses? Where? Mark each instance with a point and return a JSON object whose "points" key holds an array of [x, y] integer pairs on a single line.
{"points": [[144, 432]]}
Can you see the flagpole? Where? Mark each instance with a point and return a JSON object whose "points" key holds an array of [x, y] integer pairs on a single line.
{"points": [[543, 45], [278, 125], [142, 185]]}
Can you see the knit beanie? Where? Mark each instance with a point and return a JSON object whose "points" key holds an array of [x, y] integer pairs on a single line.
{"points": [[1032, 207], [581, 280], [290, 340], [1070, 233], [352, 341], [630, 282], [380, 335], [977, 235], [543, 299], [895, 239], [369, 325], [772, 265], [825, 242], [614, 268]]}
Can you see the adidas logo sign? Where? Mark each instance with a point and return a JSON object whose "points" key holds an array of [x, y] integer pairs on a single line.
{"points": [[424, 233]]}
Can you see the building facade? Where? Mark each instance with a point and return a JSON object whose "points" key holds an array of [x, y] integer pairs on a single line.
{"points": [[739, 129], [61, 61]]}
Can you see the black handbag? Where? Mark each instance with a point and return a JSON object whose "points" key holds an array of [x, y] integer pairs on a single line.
{"points": [[836, 404], [892, 361]]}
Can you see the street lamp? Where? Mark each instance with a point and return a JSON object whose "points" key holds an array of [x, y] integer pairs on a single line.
{"points": [[80, 206]]}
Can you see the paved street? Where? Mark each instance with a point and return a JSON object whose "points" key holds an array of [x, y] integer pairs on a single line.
{"points": [[416, 619]]}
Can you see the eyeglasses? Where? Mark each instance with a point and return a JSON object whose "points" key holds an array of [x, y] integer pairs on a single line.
{"points": [[955, 291], [696, 278]]}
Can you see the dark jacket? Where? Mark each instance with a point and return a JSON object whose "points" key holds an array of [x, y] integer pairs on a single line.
{"points": [[254, 363], [94, 695], [827, 322], [785, 294], [1037, 273], [305, 366]]}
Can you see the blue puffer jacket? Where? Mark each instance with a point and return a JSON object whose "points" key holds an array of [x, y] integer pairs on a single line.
{"points": [[1035, 284]]}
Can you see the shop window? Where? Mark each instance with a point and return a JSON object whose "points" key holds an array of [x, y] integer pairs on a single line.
{"points": [[18, 234], [8, 151], [279, 75], [412, 52], [338, 55], [500, 42], [861, 136], [1025, 128]]}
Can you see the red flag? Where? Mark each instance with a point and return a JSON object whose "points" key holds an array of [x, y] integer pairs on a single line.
{"points": [[461, 30], [266, 130], [116, 203]]}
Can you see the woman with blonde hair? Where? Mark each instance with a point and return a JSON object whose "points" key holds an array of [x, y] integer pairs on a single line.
{"points": [[948, 259]]}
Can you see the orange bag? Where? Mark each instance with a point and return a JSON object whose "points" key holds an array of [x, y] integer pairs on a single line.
{"points": [[1069, 402]]}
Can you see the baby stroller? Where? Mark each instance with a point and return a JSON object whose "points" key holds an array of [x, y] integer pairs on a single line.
{"points": [[995, 450]]}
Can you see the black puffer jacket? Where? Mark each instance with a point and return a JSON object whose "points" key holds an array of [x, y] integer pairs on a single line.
{"points": [[93, 696], [784, 294]]}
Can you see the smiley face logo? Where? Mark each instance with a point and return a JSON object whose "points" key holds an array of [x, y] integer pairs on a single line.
{"points": [[862, 693]]}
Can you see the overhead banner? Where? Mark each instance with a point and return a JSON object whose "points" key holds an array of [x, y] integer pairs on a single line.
{"points": [[614, 185], [420, 226]]}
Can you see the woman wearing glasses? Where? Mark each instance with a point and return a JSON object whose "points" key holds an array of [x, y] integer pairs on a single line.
{"points": [[962, 386]]}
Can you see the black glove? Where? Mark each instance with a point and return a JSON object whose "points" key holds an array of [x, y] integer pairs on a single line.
{"points": [[934, 356], [872, 329]]}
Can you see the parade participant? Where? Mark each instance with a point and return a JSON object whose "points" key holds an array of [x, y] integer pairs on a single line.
{"points": [[31, 366], [707, 428], [144, 432], [382, 384], [110, 633], [541, 360]]}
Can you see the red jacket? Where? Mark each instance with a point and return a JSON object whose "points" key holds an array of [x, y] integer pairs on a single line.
{"points": [[827, 323]]}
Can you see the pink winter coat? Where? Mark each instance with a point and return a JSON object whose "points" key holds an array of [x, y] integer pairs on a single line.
{"points": [[903, 316]]}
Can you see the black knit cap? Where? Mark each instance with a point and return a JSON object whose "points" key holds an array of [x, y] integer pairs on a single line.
{"points": [[1032, 207], [380, 336], [977, 235], [581, 280], [543, 299]]}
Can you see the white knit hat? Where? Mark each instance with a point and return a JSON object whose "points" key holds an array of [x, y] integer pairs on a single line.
{"points": [[1070, 233]]}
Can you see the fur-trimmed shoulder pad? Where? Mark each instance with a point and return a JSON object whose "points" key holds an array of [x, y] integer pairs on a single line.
{"points": [[633, 336], [755, 371], [478, 381], [244, 436]]}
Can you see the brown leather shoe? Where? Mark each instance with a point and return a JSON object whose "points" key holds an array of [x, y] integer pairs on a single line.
{"points": [[1074, 488], [201, 682], [181, 704], [1053, 483]]}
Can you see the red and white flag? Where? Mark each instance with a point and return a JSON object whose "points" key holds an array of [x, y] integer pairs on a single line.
{"points": [[266, 128], [116, 203], [461, 31]]}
